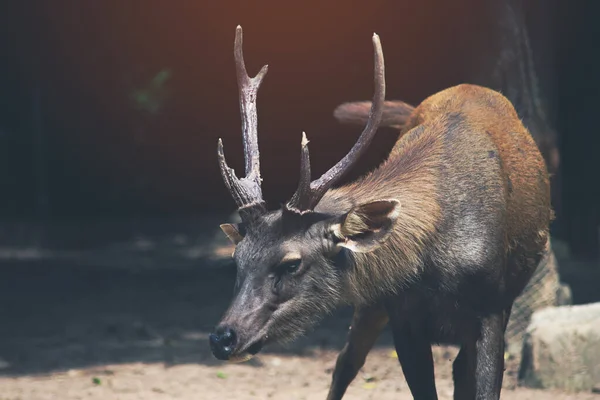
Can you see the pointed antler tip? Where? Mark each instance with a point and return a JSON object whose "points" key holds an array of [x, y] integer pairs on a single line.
{"points": [[263, 71], [238, 34], [304, 141]]}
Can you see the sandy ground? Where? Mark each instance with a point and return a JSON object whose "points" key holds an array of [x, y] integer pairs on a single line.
{"points": [[271, 377], [68, 332]]}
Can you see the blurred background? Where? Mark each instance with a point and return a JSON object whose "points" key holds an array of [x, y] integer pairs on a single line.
{"points": [[111, 194]]}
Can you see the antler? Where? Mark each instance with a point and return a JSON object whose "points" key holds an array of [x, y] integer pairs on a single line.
{"points": [[246, 191], [309, 193]]}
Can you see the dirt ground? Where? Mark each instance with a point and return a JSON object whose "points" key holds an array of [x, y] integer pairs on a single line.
{"points": [[96, 332], [271, 377]]}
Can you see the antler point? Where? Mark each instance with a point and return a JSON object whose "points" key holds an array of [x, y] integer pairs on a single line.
{"points": [[304, 141]]}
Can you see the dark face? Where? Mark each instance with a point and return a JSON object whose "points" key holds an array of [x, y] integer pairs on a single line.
{"points": [[286, 279], [290, 273]]}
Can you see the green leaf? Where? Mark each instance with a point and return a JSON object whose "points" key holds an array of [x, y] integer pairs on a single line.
{"points": [[221, 375]]}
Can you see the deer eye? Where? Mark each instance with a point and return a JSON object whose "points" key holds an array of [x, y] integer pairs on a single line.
{"points": [[290, 267]]}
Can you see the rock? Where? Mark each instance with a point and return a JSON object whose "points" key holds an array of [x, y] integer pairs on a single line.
{"points": [[561, 348]]}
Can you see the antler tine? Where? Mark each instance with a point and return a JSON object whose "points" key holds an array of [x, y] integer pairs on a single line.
{"points": [[248, 90], [246, 191], [306, 198], [303, 193]]}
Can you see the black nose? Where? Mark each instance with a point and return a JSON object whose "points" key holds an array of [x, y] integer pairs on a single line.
{"points": [[222, 342]]}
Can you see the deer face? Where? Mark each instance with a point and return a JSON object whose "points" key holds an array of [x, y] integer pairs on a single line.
{"points": [[286, 279], [291, 271], [290, 262]]}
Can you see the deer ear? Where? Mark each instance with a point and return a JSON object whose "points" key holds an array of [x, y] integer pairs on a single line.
{"points": [[367, 226], [234, 232]]}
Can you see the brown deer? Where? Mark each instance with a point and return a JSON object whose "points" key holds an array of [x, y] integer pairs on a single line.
{"points": [[438, 241]]}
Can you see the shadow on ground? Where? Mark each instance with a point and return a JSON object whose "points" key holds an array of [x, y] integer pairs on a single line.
{"points": [[56, 317]]}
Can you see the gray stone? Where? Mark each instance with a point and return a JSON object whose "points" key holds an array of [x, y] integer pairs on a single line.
{"points": [[561, 348]]}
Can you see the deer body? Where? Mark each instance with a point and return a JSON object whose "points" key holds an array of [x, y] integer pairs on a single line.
{"points": [[474, 198], [467, 175], [438, 241]]}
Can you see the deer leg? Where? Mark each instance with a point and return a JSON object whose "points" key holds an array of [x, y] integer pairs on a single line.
{"points": [[367, 324], [414, 354], [489, 363], [464, 367], [463, 373]]}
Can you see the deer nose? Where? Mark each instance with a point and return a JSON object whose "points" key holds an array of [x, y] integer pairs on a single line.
{"points": [[222, 342]]}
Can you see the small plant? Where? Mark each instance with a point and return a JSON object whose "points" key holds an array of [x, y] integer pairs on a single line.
{"points": [[221, 375]]}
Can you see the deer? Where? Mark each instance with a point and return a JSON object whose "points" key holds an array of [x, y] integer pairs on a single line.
{"points": [[436, 242]]}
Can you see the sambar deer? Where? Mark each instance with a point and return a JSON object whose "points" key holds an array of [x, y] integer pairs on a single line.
{"points": [[438, 241]]}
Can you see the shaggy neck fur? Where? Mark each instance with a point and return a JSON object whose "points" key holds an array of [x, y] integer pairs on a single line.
{"points": [[410, 175]]}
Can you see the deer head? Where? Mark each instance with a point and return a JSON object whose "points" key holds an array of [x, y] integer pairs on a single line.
{"points": [[289, 271]]}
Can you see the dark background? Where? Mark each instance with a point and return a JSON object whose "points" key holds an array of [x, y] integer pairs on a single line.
{"points": [[76, 142]]}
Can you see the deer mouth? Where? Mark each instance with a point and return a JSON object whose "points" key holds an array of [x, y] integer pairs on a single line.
{"points": [[248, 353]]}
